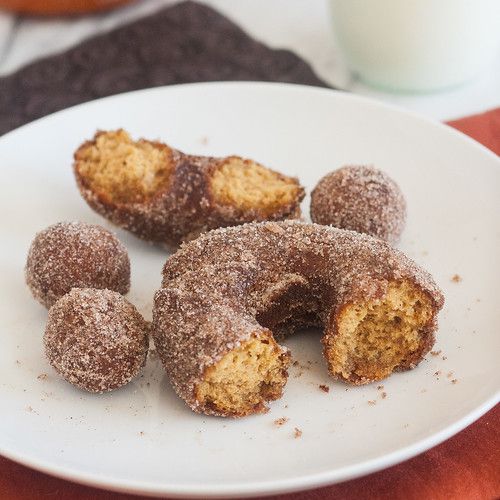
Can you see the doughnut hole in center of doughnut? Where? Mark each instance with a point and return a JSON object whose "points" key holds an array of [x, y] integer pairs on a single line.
{"points": [[377, 337], [122, 170], [245, 378]]}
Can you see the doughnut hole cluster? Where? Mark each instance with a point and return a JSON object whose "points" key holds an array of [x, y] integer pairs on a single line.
{"points": [[94, 338]]}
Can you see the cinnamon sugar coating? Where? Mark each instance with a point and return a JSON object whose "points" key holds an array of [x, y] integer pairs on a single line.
{"points": [[360, 198], [236, 284], [163, 195], [70, 255], [96, 339]]}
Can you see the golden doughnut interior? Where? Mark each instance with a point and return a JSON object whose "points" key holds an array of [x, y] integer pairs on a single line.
{"points": [[247, 185], [376, 337], [123, 170], [245, 378]]}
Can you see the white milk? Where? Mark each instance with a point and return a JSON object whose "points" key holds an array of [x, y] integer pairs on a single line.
{"points": [[417, 45]]}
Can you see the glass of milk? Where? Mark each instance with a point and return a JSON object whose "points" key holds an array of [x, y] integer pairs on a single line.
{"points": [[417, 45]]}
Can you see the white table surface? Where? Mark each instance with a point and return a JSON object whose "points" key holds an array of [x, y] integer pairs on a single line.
{"points": [[299, 25]]}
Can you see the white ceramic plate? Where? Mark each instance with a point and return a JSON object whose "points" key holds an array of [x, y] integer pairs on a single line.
{"points": [[143, 438]]}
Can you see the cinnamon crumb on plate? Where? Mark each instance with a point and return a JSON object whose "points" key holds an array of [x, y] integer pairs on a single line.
{"points": [[324, 388], [281, 421], [297, 433]]}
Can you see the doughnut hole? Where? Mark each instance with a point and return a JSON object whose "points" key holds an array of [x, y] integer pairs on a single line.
{"points": [[96, 339], [123, 170], [246, 378], [247, 185], [70, 255], [360, 198], [377, 337]]}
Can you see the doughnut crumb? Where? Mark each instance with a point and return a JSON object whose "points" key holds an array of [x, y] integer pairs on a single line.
{"points": [[281, 421]]}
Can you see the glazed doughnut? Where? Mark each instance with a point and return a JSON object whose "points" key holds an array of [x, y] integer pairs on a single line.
{"points": [[224, 294], [360, 198], [96, 339], [165, 196], [70, 255]]}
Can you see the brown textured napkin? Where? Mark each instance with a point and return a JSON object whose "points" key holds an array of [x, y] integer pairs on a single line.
{"points": [[186, 43]]}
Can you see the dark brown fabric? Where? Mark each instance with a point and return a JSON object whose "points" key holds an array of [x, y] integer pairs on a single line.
{"points": [[188, 42]]}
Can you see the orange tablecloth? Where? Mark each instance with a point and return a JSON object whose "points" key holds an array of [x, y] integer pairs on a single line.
{"points": [[484, 127], [466, 467]]}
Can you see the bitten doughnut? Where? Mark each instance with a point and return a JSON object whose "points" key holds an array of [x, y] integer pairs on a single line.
{"points": [[224, 294], [165, 196], [75, 255], [96, 339], [360, 198]]}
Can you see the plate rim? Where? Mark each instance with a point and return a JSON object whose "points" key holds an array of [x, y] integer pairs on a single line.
{"points": [[267, 487]]}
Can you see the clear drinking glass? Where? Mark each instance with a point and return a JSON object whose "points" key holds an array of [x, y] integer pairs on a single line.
{"points": [[417, 45]]}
